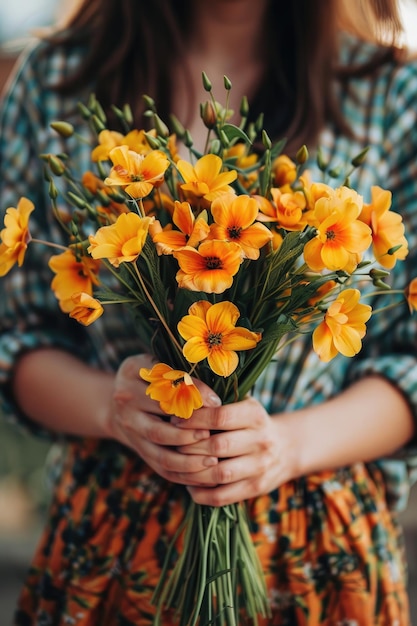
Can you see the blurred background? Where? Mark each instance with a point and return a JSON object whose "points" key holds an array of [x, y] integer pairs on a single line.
{"points": [[24, 492]]}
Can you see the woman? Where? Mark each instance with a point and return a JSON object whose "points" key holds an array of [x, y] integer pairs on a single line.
{"points": [[319, 451]]}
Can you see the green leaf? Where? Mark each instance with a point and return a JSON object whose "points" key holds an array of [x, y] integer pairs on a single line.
{"points": [[233, 132]]}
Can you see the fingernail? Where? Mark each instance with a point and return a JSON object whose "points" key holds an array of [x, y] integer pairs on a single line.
{"points": [[201, 434], [214, 400], [209, 461]]}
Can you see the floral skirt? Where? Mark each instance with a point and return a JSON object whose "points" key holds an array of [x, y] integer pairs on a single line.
{"points": [[332, 553]]}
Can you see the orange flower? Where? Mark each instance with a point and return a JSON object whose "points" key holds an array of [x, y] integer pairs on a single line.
{"points": [[121, 242], [234, 218], [210, 268], [72, 276], [387, 228], [341, 237], [108, 139], [239, 157], [343, 326], [287, 209], [205, 179], [15, 235], [411, 295], [191, 231], [137, 173], [173, 389], [210, 333], [284, 171], [86, 309]]}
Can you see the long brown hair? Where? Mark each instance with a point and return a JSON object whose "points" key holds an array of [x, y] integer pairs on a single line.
{"points": [[131, 46]]}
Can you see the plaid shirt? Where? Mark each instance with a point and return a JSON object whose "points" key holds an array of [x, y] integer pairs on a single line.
{"points": [[383, 114]]}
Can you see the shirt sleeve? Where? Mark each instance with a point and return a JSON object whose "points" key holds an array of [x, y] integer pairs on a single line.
{"points": [[29, 314], [390, 346]]}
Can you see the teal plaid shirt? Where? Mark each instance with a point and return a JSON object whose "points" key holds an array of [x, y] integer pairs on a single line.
{"points": [[383, 114]]}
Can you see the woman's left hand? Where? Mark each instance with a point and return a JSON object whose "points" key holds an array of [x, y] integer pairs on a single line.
{"points": [[253, 448]]}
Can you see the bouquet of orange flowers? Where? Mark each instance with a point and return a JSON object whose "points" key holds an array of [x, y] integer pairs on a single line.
{"points": [[222, 258]]}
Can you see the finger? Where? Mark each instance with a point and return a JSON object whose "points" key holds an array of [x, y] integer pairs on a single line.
{"points": [[228, 472], [229, 444], [248, 413], [231, 493], [157, 431], [174, 463]]}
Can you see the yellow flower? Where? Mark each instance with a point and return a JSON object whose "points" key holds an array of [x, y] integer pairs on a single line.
{"points": [[210, 268], [137, 173], [411, 295], [284, 171], [210, 332], [387, 228], [287, 209], [343, 326], [86, 309], [205, 179], [121, 242], [173, 389], [234, 218], [341, 237], [15, 235], [108, 139], [72, 276], [191, 231]]}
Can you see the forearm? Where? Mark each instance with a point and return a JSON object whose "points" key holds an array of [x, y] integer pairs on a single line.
{"points": [[63, 394], [369, 420]]}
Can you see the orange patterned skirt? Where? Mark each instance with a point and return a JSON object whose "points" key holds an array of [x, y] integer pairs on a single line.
{"points": [[331, 550]]}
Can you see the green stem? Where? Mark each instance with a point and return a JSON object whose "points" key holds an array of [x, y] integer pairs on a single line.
{"points": [[49, 244], [157, 311]]}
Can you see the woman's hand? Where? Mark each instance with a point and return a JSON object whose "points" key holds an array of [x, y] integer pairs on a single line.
{"points": [[254, 450], [136, 421]]}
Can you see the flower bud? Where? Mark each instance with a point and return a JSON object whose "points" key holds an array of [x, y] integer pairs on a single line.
{"points": [[266, 140], [188, 140], [116, 196], [97, 123], [52, 190], [259, 123], [215, 147], [99, 112], [335, 171], [360, 158], [150, 102], [84, 111], [65, 129], [244, 107], [227, 83], [76, 200], [321, 162], [381, 285], [153, 141], [378, 273], [160, 126], [127, 112], [103, 198], [56, 165], [208, 115], [206, 82], [302, 155], [394, 249], [101, 169], [176, 126]]}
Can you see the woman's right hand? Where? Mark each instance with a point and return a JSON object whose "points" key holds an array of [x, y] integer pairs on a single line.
{"points": [[135, 420]]}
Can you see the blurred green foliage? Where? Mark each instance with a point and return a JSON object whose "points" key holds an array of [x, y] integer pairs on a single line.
{"points": [[23, 458]]}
